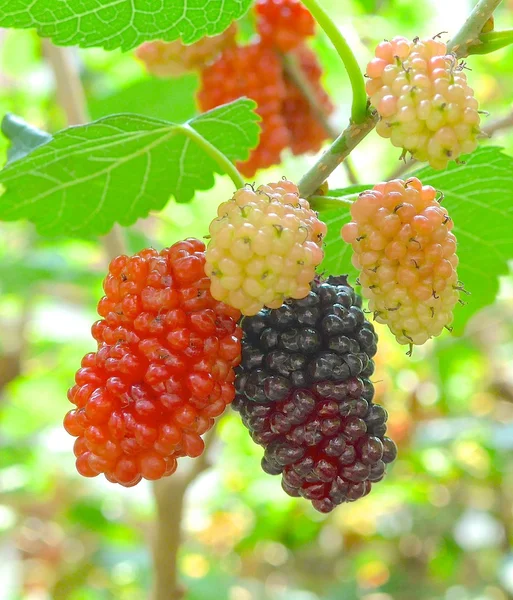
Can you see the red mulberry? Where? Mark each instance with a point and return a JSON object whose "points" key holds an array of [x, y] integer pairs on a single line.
{"points": [[253, 71], [163, 369], [307, 133], [283, 23]]}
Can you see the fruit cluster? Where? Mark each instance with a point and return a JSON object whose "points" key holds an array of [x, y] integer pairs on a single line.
{"points": [[163, 369], [424, 101], [230, 71], [257, 72], [304, 394], [404, 248], [264, 247]]}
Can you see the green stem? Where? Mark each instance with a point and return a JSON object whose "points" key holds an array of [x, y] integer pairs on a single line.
{"points": [[359, 107], [469, 33], [339, 150], [226, 165], [327, 202]]}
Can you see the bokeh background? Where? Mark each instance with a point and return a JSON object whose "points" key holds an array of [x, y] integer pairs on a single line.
{"points": [[438, 527]]}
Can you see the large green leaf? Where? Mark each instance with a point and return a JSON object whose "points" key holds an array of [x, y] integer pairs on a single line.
{"points": [[121, 23], [479, 198], [120, 168]]}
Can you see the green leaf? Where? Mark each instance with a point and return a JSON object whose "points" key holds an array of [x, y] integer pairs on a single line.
{"points": [[118, 169], [479, 198], [24, 138], [171, 99], [121, 24]]}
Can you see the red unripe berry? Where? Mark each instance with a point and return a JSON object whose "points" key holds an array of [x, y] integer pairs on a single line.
{"points": [[163, 369]]}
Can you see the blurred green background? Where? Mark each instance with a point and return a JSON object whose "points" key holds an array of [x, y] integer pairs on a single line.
{"points": [[438, 527]]}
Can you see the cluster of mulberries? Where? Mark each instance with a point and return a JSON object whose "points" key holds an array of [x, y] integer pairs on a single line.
{"points": [[163, 369], [265, 245], [304, 394], [171, 59], [256, 71], [423, 98], [406, 252]]}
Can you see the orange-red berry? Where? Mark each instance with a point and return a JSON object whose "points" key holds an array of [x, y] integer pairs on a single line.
{"points": [[283, 23], [163, 369], [307, 132], [253, 71]]}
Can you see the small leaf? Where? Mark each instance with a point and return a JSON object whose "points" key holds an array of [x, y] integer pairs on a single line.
{"points": [[121, 24], [479, 198], [120, 168], [24, 137]]}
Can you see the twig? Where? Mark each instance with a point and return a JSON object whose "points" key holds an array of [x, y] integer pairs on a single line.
{"points": [[347, 140], [71, 97], [169, 492], [493, 127], [469, 33], [331, 159], [300, 80], [10, 361], [169, 496]]}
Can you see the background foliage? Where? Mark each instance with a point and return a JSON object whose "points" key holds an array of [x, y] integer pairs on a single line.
{"points": [[438, 527]]}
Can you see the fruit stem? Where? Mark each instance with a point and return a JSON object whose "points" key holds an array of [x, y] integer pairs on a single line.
{"points": [[222, 160], [339, 150], [297, 76], [469, 33], [359, 106]]}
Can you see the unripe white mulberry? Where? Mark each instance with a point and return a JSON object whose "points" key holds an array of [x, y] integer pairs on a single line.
{"points": [[171, 59], [424, 101], [406, 252], [265, 245]]}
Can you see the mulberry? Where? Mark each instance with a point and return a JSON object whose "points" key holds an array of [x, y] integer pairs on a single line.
{"points": [[304, 394], [264, 247], [404, 247], [307, 133], [163, 369], [283, 23], [424, 101], [171, 59], [253, 71]]}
